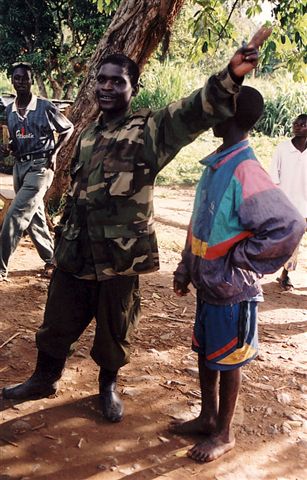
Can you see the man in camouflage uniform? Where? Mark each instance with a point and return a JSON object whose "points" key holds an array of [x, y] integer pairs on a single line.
{"points": [[106, 236]]}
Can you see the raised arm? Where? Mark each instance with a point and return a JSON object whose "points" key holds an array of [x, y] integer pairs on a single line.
{"points": [[177, 125]]}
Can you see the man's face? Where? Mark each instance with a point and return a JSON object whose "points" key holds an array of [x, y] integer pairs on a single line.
{"points": [[114, 89], [299, 127], [22, 80]]}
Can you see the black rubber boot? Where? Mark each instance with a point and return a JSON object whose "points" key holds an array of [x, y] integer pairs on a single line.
{"points": [[42, 383], [111, 404]]}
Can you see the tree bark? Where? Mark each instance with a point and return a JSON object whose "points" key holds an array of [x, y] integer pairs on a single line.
{"points": [[136, 30], [57, 88], [69, 92], [41, 85]]}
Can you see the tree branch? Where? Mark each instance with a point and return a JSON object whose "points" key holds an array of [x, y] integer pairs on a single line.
{"points": [[228, 20]]}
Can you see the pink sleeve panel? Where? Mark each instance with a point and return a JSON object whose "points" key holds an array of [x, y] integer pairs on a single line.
{"points": [[253, 178]]}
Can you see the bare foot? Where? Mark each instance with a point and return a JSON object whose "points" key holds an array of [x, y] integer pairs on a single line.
{"points": [[199, 426], [211, 449]]}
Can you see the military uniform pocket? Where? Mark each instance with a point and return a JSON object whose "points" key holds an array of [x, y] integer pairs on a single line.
{"points": [[133, 248], [131, 230], [68, 254]]}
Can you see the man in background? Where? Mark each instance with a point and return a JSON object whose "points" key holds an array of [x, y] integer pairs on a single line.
{"points": [[289, 171], [31, 122]]}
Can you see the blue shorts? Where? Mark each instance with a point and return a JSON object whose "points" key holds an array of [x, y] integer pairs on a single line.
{"points": [[226, 335]]}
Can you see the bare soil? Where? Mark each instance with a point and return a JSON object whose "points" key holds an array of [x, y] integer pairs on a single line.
{"points": [[64, 437]]}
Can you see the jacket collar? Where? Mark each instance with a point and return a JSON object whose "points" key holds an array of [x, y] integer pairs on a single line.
{"points": [[31, 106], [112, 124], [217, 159]]}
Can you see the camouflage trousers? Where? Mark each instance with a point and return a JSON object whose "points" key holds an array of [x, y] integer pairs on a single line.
{"points": [[73, 303]]}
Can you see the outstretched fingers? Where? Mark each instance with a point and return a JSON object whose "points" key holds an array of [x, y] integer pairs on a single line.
{"points": [[246, 58], [260, 37]]}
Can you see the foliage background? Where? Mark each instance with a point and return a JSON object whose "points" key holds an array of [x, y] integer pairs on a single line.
{"points": [[189, 54]]}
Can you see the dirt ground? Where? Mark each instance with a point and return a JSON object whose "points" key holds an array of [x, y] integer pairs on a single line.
{"points": [[64, 437]]}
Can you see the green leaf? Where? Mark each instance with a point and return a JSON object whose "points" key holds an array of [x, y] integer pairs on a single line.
{"points": [[204, 48], [297, 37]]}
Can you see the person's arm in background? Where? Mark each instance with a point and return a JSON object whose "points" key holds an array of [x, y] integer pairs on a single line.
{"points": [[275, 167], [62, 126]]}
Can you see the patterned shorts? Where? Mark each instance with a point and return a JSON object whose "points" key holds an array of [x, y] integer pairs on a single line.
{"points": [[226, 335]]}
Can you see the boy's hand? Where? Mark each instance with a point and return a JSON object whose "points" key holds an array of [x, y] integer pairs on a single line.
{"points": [[180, 288], [246, 58]]}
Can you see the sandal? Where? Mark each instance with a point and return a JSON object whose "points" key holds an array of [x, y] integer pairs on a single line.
{"points": [[285, 283]]}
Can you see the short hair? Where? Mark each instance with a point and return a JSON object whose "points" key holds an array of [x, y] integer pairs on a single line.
{"points": [[123, 61], [302, 116], [250, 105], [26, 65]]}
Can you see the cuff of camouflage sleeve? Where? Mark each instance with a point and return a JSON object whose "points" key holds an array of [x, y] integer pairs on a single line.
{"points": [[235, 78], [229, 80]]}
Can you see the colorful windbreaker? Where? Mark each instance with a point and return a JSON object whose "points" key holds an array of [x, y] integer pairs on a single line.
{"points": [[242, 227]]}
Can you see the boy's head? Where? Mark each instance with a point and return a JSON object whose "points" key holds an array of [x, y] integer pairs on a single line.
{"points": [[299, 126], [22, 77], [117, 83], [249, 108]]}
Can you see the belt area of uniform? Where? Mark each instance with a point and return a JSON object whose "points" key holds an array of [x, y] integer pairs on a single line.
{"points": [[33, 156]]}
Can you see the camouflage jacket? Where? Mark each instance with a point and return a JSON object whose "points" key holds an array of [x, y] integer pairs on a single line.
{"points": [[108, 225]]}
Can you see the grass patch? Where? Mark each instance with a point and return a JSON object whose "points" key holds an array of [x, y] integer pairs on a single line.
{"points": [[185, 169]]}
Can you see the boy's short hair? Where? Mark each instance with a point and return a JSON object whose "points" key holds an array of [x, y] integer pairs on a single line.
{"points": [[250, 105], [302, 116], [125, 62], [26, 65]]}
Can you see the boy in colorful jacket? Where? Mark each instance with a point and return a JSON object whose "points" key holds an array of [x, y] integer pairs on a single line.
{"points": [[242, 227]]}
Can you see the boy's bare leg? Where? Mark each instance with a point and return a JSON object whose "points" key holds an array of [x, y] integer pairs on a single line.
{"points": [[222, 440], [205, 424]]}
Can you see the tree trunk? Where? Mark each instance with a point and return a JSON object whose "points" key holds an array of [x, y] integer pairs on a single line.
{"points": [[136, 30], [41, 85], [69, 92], [57, 88]]}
